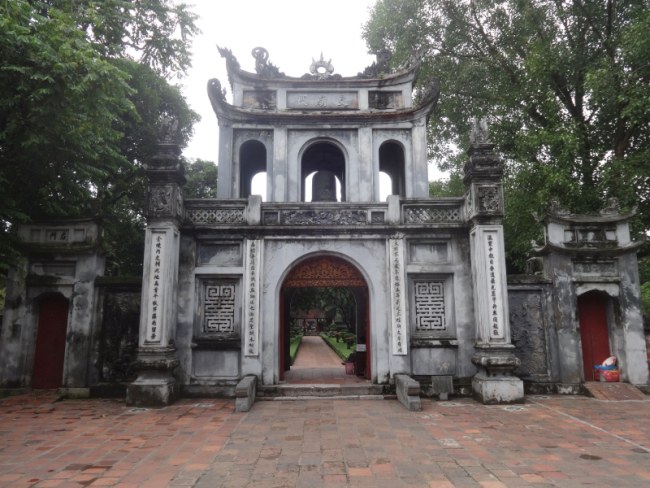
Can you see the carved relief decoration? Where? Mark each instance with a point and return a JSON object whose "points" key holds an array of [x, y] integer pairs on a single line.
{"points": [[324, 217], [324, 271], [489, 198], [161, 201], [528, 332]]}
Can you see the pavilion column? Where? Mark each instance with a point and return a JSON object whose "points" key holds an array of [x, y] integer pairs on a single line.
{"points": [[494, 355], [155, 384]]}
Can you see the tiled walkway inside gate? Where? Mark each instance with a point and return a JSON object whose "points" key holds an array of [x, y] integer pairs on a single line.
{"points": [[550, 441], [317, 363]]}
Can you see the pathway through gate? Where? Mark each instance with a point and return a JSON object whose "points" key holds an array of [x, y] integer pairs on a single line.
{"points": [[317, 363]]}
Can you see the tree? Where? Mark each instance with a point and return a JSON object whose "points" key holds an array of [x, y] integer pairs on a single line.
{"points": [[83, 84], [563, 83], [201, 179]]}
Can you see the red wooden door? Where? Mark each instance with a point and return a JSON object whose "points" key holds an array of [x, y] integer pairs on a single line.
{"points": [[592, 312], [50, 342]]}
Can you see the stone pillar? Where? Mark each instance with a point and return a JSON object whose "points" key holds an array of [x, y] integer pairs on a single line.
{"points": [[494, 357], [156, 360]]}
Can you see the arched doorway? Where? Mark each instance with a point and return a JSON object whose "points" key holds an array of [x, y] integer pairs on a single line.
{"points": [[327, 272], [594, 333], [49, 355]]}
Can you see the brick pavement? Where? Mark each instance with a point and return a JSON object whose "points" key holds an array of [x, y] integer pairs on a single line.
{"points": [[549, 441]]}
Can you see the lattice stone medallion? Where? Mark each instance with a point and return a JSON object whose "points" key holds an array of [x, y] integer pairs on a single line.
{"points": [[429, 305], [219, 309]]}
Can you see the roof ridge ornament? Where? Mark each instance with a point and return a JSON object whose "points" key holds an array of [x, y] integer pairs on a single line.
{"points": [[321, 69], [262, 65]]}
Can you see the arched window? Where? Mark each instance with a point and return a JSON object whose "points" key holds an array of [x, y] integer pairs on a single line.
{"points": [[252, 161], [391, 162], [323, 173]]}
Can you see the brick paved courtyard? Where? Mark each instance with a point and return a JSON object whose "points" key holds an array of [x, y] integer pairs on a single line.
{"points": [[550, 441]]}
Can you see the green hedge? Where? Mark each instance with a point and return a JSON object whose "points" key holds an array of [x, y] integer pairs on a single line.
{"points": [[341, 348], [294, 345]]}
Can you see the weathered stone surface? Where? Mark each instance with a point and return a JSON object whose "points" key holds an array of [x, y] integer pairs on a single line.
{"points": [[408, 392], [245, 392]]}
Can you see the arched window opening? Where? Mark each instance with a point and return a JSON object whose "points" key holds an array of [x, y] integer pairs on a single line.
{"points": [[323, 174], [391, 162], [252, 161]]}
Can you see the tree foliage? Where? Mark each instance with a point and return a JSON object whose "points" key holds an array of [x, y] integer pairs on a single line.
{"points": [[337, 303], [201, 179], [563, 83], [83, 86]]}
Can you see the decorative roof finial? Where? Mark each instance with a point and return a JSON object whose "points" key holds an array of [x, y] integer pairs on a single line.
{"points": [[479, 133], [321, 69]]}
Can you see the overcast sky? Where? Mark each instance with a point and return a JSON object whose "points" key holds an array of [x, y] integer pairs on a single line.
{"points": [[293, 32]]}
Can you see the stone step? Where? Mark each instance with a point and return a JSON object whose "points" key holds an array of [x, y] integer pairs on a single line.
{"points": [[614, 391], [308, 391]]}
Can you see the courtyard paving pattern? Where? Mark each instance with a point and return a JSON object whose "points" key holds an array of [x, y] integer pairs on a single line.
{"points": [[549, 441]]}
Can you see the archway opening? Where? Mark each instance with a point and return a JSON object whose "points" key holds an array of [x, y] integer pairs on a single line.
{"points": [[49, 355], [252, 161], [324, 163], [594, 331], [324, 311], [391, 162]]}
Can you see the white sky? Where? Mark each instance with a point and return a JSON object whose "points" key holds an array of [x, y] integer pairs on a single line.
{"points": [[292, 31]]}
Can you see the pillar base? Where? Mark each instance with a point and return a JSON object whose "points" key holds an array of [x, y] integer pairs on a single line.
{"points": [[494, 391], [495, 382], [152, 393], [155, 385]]}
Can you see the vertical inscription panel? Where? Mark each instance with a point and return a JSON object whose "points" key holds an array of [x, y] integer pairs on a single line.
{"points": [[489, 275], [397, 296], [156, 297], [159, 287], [253, 258]]}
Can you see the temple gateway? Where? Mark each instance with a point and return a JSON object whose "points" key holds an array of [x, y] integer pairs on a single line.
{"points": [[433, 303]]}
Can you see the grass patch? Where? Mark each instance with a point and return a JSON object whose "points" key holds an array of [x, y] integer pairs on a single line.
{"points": [[340, 348], [294, 345]]}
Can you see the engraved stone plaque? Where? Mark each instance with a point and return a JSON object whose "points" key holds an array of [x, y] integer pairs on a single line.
{"points": [[322, 100]]}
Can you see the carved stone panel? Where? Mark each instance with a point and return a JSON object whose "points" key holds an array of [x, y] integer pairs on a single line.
{"points": [[385, 100], [527, 328], [488, 198], [299, 100], [165, 201], [119, 336], [324, 217], [260, 100]]}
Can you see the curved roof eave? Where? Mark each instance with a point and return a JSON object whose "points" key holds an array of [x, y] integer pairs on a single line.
{"points": [[226, 112]]}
